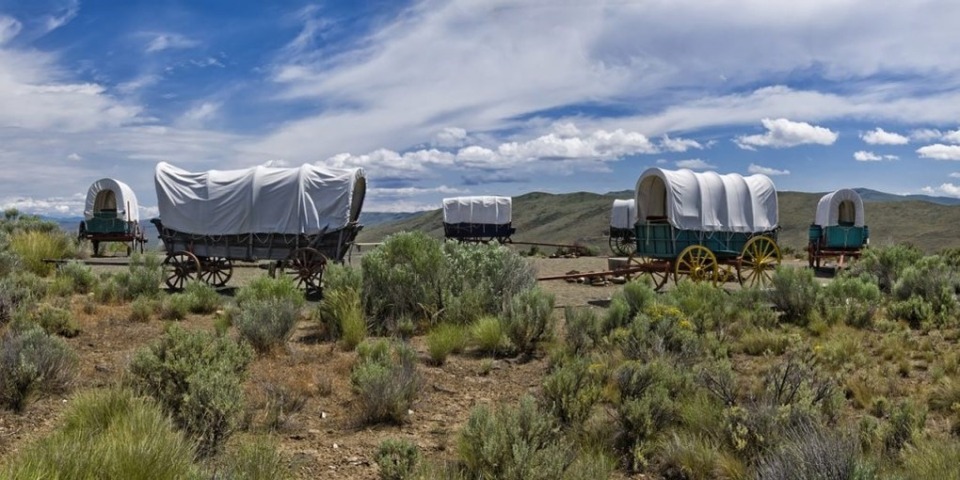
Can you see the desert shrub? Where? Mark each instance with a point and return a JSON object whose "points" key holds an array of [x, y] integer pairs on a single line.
{"points": [[201, 298], [527, 320], [851, 300], [267, 324], [386, 380], [55, 321], [944, 396], [266, 288], [810, 452], [403, 277], [34, 246], [340, 314], [398, 459], [513, 442], [444, 339], [931, 459], [905, 426], [684, 455], [885, 264], [916, 311], [338, 277], [281, 401], [648, 406], [570, 391], [254, 458], [80, 276], [480, 278], [660, 329], [175, 307], [707, 307], [108, 434], [760, 341], [142, 309], [18, 292], [143, 277], [197, 378], [487, 335], [33, 363], [794, 293], [627, 303], [932, 281], [584, 330], [108, 291]]}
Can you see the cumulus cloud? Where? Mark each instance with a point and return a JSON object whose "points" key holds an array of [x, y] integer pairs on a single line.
{"points": [[74, 157], [388, 163], [865, 156], [168, 41], [954, 175], [450, 137], [939, 151], [952, 137], [695, 164], [53, 206], [678, 144], [882, 137], [198, 115], [947, 189], [782, 133], [754, 168], [925, 134]]}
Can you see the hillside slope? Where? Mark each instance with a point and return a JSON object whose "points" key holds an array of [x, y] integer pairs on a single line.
{"points": [[584, 217]]}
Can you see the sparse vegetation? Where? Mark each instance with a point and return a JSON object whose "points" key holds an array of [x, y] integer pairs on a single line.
{"points": [[33, 363], [267, 324], [386, 380]]}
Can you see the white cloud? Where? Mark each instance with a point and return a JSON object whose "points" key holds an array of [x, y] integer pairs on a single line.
{"points": [[947, 189], [388, 163], [198, 115], [925, 134], [678, 144], [952, 137], [169, 41], [882, 137], [74, 157], [865, 156], [695, 164], [9, 28], [53, 22], [754, 168], [411, 191], [276, 164], [782, 133], [450, 137], [939, 151]]}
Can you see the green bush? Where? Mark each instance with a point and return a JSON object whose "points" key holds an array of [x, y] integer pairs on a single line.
{"points": [[143, 277], [932, 459], [175, 307], [33, 363], [905, 426], [386, 380], [267, 324], [480, 278], [648, 406], [142, 309], [570, 392], [55, 321], [760, 341], [108, 434], [627, 303], [851, 300], [338, 277], [794, 292], [685, 455], [444, 339], [487, 335], [19, 292], [934, 282], [197, 377], [398, 459], [34, 246], [814, 453], [201, 298], [513, 442], [340, 314], [527, 320], [584, 330], [252, 459], [663, 328], [80, 276], [403, 277], [885, 264], [108, 291], [266, 288]]}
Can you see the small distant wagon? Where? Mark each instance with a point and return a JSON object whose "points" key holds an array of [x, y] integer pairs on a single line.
{"points": [[478, 219], [839, 229], [706, 227], [623, 218], [298, 218], [111, 214]]}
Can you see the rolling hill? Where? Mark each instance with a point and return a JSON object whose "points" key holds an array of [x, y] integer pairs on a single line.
{"points": [[931, 223]]}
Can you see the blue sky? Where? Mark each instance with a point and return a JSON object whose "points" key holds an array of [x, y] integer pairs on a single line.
{"points": [[460, 97]]}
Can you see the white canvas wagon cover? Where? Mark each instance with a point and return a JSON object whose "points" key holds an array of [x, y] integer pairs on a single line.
{"points": [[842, 206], [302, 200], [487, 210], [623, 214], [111, 194], [708, 201]]}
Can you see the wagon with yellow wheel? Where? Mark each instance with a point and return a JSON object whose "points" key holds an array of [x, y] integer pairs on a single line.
{"points": [[705, 227], [296, 219], [839, 230]]}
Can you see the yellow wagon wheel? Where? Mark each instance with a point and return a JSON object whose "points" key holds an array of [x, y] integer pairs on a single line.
{"points": [[760, 257], [697, 263], [658, 271]]}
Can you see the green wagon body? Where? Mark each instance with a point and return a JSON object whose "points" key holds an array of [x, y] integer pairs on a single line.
{"points": [[106, 222], [663, 241], [839, 237]]}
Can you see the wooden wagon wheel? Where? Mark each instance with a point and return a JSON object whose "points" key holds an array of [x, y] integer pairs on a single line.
{"points": [[216, 271], [659, 274], [697, 263], [180, 268], [622, 245], [759, 259], [306, 265]]}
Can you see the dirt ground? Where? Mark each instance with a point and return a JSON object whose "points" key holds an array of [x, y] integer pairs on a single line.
{"points": [[321, 440]]}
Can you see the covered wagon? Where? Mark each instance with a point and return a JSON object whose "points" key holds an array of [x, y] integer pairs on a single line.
{"points": [[111, 214], [839, 229], [623, 217], [478, 218], [297, 218], [706, 227]]}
